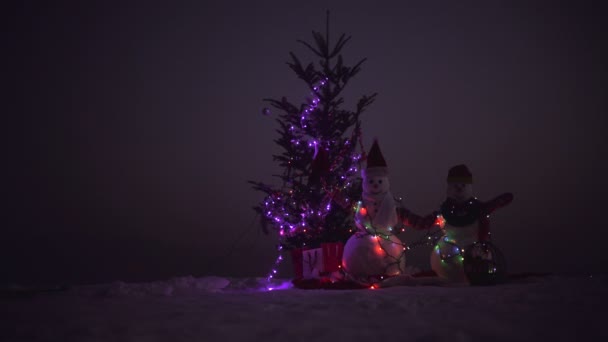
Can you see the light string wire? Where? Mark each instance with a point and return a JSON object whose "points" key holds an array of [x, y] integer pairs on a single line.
{"points": [[366, 227]]}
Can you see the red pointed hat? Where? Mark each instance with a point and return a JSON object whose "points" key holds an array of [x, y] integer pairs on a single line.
{"points": [[460, 174], [376, 165]]}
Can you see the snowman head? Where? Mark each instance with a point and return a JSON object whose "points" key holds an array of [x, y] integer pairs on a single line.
{"points": [[460, 192], [460, 183], [375, 176], [375, 183]]}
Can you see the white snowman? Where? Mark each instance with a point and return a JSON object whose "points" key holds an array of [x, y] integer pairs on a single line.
{"points": [[466, 220], [374, 252]]}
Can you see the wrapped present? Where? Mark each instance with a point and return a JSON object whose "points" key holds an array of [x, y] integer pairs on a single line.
{"points": [[321, 262]]}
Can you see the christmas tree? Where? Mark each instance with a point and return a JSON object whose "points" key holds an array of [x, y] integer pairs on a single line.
{"points": [[320, 158]]}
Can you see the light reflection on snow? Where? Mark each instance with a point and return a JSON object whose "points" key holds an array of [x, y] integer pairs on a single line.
{"points": [[283, 285]]}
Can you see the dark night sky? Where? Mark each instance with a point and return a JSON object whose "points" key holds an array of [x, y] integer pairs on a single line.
{"points": [[130, 130]]}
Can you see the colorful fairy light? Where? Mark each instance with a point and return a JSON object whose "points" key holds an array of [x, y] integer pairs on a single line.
{"points": [[364, 225]]}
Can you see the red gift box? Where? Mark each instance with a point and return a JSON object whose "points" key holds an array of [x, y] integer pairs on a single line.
{"points": [[315, 263]]}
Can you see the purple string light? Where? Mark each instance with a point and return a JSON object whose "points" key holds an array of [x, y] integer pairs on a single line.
{"points": [[312, 107], [276, 205]]}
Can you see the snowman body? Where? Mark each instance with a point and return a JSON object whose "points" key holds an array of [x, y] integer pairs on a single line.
{"points": [[446, 257], [374, 251], [460, 212], [368, 257]]}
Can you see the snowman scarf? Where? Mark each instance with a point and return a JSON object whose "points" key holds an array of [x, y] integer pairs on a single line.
{"points": [[386, 216]]}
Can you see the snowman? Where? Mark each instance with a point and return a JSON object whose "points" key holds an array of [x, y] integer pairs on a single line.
{"points": [[466, 221], [374, 252]]}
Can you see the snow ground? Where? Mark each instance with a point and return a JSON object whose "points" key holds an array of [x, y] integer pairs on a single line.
{"points": [[553, 308]]}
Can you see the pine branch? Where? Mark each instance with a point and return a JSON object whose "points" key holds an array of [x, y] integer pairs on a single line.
{"points": [[321, 44], [353, 71], [311, 48], [339, 45], [365, 101]]}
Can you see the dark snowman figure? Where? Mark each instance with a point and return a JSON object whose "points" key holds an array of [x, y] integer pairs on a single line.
{"points": [[466, 224]]}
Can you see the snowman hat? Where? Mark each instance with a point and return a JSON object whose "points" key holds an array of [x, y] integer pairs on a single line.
{"points": [[460, 174], [376, 165]]}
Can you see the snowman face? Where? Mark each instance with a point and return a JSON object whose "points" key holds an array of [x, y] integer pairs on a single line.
{"points": [[375, 185], [460, 191]]}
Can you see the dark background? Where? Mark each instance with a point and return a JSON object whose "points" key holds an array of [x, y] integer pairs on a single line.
{"points": [[131, 128]]}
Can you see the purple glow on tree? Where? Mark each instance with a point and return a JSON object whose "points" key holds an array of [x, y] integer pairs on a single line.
{"points": [[320, 158]]}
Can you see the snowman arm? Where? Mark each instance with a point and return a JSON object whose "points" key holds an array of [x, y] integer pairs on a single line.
{"points": [[407, 217], [496, 203], [415, 221]]}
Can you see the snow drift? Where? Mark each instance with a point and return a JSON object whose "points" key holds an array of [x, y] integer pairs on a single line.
{"points": [[555, 308]]}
